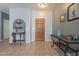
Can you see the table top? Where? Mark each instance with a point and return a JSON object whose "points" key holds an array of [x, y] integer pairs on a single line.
{"points": [[66, 39], [18, 32]]}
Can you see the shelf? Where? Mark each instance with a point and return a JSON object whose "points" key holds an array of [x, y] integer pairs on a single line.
{"points": [[18, 27]]}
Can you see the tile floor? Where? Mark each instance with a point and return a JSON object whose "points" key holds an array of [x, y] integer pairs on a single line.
{"points": [[38, 48]]}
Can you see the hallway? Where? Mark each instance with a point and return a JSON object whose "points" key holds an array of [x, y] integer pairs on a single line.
{"points": [[38, 48]]}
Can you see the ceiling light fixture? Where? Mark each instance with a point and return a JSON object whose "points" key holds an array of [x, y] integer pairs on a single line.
{"points": [[43, 5]]}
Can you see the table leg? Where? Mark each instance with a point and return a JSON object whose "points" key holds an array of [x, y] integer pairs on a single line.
{"points": [[52, 41], [59, 43], [24, 37], [14, 38], [52, 44], [76, 53], [65, 54], [20, 39]]}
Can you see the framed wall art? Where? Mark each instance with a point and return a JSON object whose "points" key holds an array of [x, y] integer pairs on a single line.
{"points": [[62, 18], [72, 12]]}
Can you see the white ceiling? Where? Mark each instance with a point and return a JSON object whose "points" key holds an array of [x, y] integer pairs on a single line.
{"points": [[28, 5], [6, 6]]}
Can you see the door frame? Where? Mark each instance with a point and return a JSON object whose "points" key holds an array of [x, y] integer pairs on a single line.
{"points": [[44, 28], [3, 16]]}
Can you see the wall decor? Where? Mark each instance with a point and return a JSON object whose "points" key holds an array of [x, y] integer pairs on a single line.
{"points": [[63, 18], [72, 12]]}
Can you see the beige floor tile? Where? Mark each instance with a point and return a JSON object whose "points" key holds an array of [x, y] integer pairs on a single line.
{"points": [[38, 48]]}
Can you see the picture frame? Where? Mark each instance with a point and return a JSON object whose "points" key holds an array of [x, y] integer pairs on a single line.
{"points": [[62, 18], [72, 12]]}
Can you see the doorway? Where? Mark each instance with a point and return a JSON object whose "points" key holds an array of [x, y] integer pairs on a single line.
{"points": [[40, 29], [5, 25]]}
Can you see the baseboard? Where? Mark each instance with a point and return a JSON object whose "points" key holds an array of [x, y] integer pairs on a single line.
{"points": [[48, 40], [6, 38], [10, 41], [32, 40], [27, 42], [0, 40]]}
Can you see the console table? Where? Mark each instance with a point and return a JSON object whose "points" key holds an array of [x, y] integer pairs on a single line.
{"points": [[20, 34], [66, 45], [18, 29]]}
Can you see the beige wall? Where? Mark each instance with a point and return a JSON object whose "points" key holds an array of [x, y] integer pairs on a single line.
{"points": [[66, 27]]}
